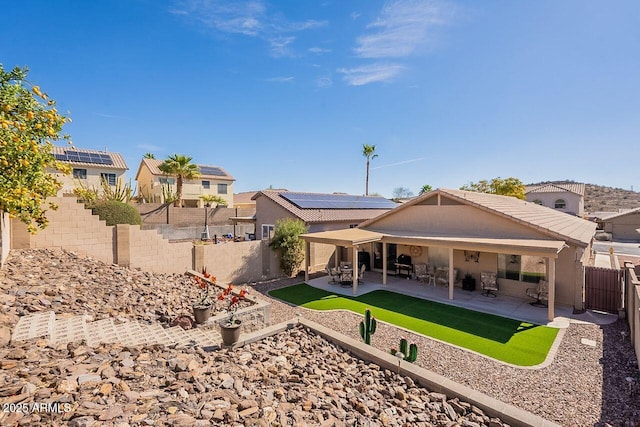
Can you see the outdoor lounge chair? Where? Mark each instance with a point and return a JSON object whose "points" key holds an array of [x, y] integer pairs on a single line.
{"points": [[421, 271], [363, 267], [334, 275], [540, 293], [488, 283], [442, 276]]}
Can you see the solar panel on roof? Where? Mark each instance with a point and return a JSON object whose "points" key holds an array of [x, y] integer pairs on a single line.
{"points": [[82, 157], [337, 201], [210, 170]]}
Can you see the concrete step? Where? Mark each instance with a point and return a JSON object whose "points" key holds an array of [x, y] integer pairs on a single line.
{"points": [[39, 325]]}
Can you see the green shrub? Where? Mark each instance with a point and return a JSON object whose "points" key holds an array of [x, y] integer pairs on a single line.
{"points": [[115, 212], [291, 247]]}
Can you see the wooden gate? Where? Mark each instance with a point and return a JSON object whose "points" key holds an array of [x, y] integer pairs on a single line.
{"points": [[603, 289]]}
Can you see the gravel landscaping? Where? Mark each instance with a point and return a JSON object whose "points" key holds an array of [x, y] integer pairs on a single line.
{"points": [[273, 379]]}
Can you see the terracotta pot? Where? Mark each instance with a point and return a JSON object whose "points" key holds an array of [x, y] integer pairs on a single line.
{"points": [[201, 313], [230, 332]]}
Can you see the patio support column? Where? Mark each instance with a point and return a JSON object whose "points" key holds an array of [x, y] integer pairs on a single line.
{"points": [[336, 258], [355, 270], [451, 278], [384, 263], [307, 260], [552, 289]]}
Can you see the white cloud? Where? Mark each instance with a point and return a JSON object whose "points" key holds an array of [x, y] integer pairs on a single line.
{"points": [[324, 82], [280, 46], [247, 17], [280, 79], [355, 15], [370, 73], [319, 50], [402, 27]]}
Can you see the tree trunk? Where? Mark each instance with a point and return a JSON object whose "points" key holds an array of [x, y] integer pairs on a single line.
{"points": [[366, 188], [179, 191]]}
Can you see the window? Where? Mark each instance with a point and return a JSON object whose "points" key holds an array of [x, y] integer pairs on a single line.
{"points": [[538, 202], [560, 204], [206, 185], [80, 173], [169, 181], [267, 231], [109, 177], [222, 188], [523, 268]]}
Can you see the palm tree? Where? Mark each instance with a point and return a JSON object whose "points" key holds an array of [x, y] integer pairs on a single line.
{"points": [[181, 167], [425, 189], [368, 152], [149, 156]]}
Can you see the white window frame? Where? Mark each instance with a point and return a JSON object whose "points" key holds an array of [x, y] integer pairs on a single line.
{"points": [[108, 177], [79, 173], [267, 231], [561, 202]]}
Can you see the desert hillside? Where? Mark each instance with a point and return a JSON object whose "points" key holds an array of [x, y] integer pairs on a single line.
{"points": [[600, 198]]}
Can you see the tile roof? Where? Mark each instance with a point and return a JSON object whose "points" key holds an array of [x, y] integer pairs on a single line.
{"points": [[244, 197], [546, 220], [623, 213], [118, 160], [153, 166], [320, 215], [572, 187]]}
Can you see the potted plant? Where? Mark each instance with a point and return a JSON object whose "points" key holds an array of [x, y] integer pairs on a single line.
{"points": [[230, 327], [202, 309], [468, 283]]}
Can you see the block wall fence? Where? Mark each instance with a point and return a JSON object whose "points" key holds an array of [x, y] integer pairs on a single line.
{"points": [[159, 213], [74, 228], [632, 304]]}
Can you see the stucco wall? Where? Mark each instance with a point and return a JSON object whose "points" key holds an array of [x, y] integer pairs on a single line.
{"points": [[93, 179], [574, 202], [454, 220], [623, 228]]}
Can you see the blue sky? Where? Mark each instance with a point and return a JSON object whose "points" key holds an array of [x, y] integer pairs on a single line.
{"points": [[284, 93]]}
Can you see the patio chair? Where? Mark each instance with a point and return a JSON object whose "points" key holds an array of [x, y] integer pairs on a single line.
{"points": [[334, 275], [488, 283], [421, 271], [363, 268], [442, 276], [540, 293]]}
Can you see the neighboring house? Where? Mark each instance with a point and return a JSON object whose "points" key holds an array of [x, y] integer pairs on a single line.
{"points": [[565, 197], [476, 232], [244, 200], [89, 167], [623, 226], [320, 212], [213, 180]]}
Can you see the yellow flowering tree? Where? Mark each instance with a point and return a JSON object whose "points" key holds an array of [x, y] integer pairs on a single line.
{"points": [[29, 122]]}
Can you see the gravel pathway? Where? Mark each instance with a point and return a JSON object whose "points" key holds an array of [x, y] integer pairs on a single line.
{"points": [[582, 386]]}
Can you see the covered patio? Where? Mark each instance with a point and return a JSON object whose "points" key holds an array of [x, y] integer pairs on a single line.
{"points": [[502, 305], [357, 239]]}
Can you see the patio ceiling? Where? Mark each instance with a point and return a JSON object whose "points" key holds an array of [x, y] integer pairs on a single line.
{"points": [[355, 236]]}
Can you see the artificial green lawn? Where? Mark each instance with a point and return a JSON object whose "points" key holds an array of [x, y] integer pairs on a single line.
{"points": [[508, 340]]}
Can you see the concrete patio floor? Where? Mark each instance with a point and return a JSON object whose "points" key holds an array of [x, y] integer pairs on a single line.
{"points": [[502, 305]]}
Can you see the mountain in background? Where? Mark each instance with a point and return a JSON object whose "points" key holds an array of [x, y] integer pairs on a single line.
{"points": [[598, 198]]}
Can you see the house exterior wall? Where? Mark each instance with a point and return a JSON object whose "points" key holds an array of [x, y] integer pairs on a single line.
{"points": [[456, 220], [468, 221], [623, 228], [574, 202], [149, 185], [92, 180]]}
